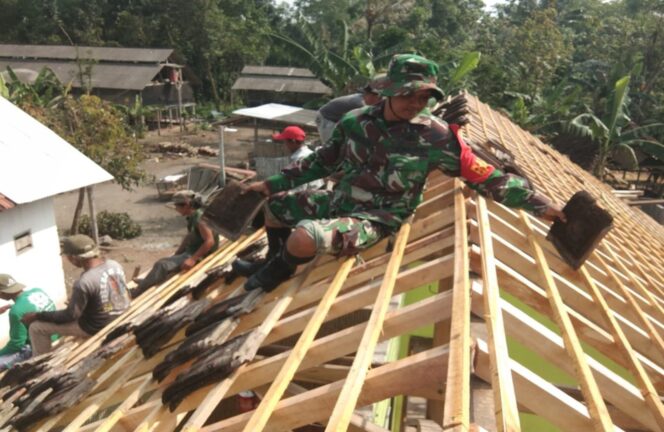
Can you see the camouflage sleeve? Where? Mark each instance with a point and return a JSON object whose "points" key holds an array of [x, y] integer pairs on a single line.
{"points": [[511, 191], [319, 164]]}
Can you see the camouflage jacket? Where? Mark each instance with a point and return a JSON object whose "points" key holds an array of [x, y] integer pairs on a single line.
{"points": [[382, 167]]}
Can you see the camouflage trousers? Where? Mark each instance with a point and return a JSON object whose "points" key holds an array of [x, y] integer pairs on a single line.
{"points": [[333, 233]]}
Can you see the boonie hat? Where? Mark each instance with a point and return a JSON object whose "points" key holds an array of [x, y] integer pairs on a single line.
{"points": [[8, 284], [408, 73], [79, 245], [290, 133]]}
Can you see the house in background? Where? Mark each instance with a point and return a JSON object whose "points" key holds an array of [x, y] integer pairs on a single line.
{"points": [[258, 85], [114, 74], [36, 165]]}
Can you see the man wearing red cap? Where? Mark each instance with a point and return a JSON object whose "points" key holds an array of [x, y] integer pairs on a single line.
{"points": [[293, 138]]}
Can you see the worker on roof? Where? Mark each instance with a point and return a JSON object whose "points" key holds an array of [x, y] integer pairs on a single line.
{"points": [[293, 138], [384, 153], [98, 297], [199, 242], [24, 301], [329, 114]]}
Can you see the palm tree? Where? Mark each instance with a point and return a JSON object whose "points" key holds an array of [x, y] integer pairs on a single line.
{"points": [[616, 136]]}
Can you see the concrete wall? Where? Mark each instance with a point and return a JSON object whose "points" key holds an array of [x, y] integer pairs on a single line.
{"points": [[39, 266]]}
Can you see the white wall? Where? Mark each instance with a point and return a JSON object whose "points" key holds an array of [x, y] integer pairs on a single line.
{"points": [[41, 265]]}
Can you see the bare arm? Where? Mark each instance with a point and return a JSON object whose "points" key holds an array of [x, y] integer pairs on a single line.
{"points": [[208, 242]]}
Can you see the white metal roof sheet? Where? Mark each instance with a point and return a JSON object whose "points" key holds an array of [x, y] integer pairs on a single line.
{"points": [[268, 111], [36, 163]]}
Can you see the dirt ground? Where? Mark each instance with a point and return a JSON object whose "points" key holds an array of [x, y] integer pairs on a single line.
{"points": [[163, 228]]}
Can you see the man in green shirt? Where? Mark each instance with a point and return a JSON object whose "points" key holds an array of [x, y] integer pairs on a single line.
{"points": [[25, 301], [196, 245]]}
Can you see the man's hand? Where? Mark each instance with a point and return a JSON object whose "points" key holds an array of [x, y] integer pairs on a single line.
{"points": [[187, 264], [5, 308], [553, 212], [260, 187], [28, 318]]}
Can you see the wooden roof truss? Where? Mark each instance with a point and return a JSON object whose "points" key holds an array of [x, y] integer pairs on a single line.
{"points": [[499, 282]]}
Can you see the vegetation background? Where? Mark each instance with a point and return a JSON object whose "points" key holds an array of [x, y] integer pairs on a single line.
{"points": [[587, 75]]}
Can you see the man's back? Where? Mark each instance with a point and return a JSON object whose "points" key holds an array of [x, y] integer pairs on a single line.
{"points": [[105, 292], [337, 107]]}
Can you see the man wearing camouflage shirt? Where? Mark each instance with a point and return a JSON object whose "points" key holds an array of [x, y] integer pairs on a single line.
{"points": [[384, 154]]}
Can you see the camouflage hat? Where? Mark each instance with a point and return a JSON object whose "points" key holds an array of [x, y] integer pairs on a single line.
{"points": [[79, 245], [8, 285], [408, 73]]}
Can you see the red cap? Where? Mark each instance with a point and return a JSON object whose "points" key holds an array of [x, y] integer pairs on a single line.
{"points": [[290, 133]]}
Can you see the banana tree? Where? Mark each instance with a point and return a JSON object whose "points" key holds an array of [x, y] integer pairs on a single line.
{"points": [[616, 136]]}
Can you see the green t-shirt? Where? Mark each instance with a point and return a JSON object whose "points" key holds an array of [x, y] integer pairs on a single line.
{"points": [[30, 300]]}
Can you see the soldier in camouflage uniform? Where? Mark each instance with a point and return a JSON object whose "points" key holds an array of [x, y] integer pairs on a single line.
{"points": [[381, 156]]}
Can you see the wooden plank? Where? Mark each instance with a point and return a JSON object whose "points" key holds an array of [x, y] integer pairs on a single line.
{"points": [[364, 296], [535, 297], [420, 249], [598, 412], [426, 369], [261, 415], [428, 311], [549, 345], [504, 225], [647, 389], [203, 412], [574, 296], [656, 338], [507, 414], [456, 412], [350, 393], [538, 395]]}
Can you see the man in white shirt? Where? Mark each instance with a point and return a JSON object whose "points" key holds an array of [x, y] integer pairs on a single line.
{"points": [[293, 138]]}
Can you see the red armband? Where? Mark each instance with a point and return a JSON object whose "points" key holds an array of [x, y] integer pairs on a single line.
{"points": [[472, 168]]}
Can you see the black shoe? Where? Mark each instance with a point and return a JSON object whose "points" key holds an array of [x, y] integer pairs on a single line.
{"points": [[270, 275], [246, 268]]}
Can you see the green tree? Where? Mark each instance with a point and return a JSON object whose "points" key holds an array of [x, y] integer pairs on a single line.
{"points": [[614, 134]]}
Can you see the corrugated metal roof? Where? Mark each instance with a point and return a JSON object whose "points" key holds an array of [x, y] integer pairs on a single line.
{"points": [[36, 162], [143, 55], [277, 71], [107, 76], [281, 85], [281, 113]]}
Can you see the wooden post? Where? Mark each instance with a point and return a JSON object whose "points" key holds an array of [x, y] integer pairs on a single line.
{"points": [[159, 122], [77, 212], [93, 215]]}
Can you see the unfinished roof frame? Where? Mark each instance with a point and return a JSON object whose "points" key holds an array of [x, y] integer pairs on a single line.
{"points": [[477, 251]]}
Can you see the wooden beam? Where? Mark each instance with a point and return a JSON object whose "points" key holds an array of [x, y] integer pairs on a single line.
{"points": [[214, 396], [398, 322], [598, 412], [522, 284], [507, 414], [538, 395], [456, 412], [350, 393], [261, 415], [647, 389], [549, 345], [426, 369]]}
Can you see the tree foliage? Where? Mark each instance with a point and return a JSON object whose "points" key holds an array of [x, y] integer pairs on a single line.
{"points": [[544, 62]]}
